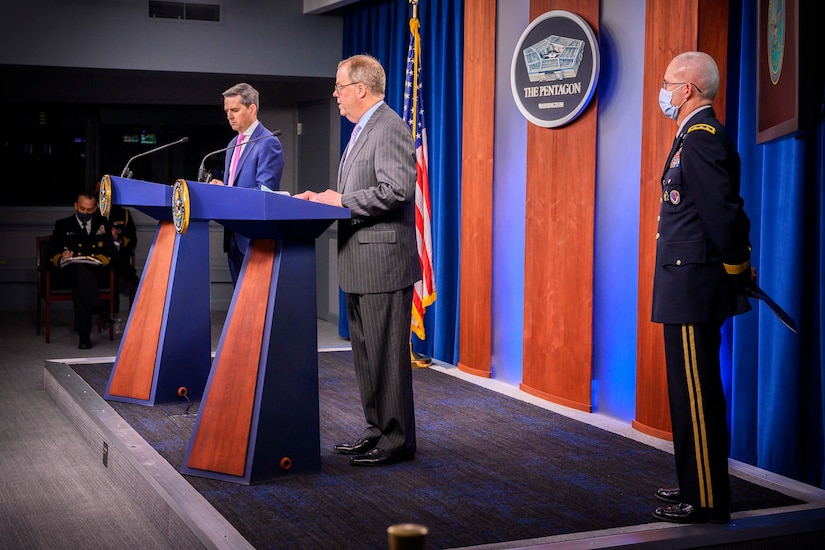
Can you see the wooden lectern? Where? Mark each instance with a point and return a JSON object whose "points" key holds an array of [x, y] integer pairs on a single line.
{"points": [[258, 419], [165, 352]]}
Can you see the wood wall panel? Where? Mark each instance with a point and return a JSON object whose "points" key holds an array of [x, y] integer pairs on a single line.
{"points": [[559, 251], [670, 29], [476, 264], [713, 39]]}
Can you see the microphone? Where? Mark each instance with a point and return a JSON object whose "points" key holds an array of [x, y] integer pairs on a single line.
{"points": [[203, 175], [128, 173]]}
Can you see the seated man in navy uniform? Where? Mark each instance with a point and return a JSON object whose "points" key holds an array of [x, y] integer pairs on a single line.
{"points": [[82, 249]]}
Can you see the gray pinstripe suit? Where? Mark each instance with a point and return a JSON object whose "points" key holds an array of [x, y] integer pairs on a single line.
{"points": [[377, 267]]}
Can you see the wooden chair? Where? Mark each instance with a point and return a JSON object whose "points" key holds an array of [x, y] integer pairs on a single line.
{"points": [[49, 290]]}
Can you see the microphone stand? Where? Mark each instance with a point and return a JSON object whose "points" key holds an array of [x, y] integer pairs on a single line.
{"points": [[128, 173], [203, 175]]}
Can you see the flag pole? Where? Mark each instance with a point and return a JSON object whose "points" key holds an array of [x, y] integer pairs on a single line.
{"points": [[418, 360]]}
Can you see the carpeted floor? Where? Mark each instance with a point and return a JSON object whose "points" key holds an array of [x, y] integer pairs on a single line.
{"points": [[489, 469]]}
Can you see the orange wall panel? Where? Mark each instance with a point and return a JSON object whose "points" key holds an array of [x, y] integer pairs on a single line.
{"points": [[559, 253], [477, 189], [670, 29]]}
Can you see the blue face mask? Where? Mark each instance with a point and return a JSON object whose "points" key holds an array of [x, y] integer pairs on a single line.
{"points": [[83, 217], [670, 110]]}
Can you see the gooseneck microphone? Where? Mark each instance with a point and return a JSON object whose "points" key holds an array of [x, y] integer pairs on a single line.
{"points": [[128, 173], [203, 175]]}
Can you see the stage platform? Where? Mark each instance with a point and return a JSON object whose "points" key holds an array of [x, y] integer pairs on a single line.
{"points": [[188, 520]]}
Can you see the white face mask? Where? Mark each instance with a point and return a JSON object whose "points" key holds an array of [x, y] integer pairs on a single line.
{"points": [[670, 110]]}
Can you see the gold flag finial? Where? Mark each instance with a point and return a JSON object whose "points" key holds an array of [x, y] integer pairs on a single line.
{"points": [[415, 8]]}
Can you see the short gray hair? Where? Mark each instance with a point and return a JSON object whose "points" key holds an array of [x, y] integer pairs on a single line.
{"points": [[249, 95], [367, 70]]}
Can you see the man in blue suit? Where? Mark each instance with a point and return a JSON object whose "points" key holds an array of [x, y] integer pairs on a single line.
{"points": [[249, 164], [377, 260]]}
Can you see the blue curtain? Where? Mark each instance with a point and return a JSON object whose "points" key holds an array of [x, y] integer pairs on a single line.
{"points": [[381, 28], [778, 378], [775, 379]]}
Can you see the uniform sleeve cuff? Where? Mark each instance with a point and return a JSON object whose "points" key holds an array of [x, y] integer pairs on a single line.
{"points": [[736, 269]]}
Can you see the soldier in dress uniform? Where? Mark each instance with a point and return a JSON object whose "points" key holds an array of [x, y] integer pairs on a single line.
{"points": [[702, 268]]}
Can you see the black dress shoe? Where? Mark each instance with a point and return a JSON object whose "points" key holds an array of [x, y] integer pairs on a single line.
{"points": [[380, 457], [687, 513], [669, 495], [362, 446], [85, 343]]}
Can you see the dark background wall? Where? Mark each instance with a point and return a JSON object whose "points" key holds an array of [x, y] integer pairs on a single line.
{"points": [[79, 75], [82, 78], [68, 126]]}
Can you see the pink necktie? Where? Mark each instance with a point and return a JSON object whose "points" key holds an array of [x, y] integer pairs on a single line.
{"points": [[236, 154], [352, 139]]}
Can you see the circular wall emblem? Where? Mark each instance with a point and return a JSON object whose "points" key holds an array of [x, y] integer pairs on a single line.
{"points": [[555, 69], [104, 200], [180, 206], [776, 38]]}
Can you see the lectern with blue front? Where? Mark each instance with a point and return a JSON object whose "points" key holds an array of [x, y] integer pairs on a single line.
{"points": [[165, 352], [258, 418]]}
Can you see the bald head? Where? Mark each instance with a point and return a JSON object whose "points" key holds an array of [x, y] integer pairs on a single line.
{"points": [[697, 68]]}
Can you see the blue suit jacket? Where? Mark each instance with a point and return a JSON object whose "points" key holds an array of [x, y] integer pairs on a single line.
{"points": [[261, 164]]}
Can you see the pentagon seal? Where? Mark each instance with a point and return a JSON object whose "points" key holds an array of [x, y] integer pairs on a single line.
{"points": [[555, 69]]}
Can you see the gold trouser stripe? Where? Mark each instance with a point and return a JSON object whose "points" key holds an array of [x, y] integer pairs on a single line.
{"points": [[697, 413]]}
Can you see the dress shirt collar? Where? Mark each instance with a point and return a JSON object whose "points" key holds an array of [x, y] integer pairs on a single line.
{"points": [[249, 131], [366, 116]]}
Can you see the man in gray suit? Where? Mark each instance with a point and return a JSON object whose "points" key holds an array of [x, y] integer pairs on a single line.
{"points": [[377, 260]]}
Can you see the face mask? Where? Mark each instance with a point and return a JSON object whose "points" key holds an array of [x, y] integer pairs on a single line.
{"points": [[83, 217], [670, 110]]}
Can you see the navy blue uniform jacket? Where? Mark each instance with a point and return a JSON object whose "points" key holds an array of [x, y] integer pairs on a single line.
{"points": [[68, 234], [703, 242]]}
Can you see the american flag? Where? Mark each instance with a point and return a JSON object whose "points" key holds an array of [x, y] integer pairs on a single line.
{"points": [[424, 291]]}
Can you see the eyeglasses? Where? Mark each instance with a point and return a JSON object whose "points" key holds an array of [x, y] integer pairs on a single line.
{"points": [[665, 84], [339, 86]]}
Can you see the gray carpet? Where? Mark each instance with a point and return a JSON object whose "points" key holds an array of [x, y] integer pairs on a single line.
{"points": [[53, 493]]}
